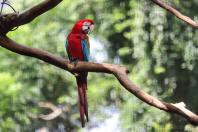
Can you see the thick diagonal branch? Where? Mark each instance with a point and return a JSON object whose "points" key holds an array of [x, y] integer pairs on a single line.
{"points": [[30, 14], [118, 71], [176, 13], [9, 21]]}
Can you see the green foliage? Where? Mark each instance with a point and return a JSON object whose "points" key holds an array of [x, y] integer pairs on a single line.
{"points": [[159, 50]]}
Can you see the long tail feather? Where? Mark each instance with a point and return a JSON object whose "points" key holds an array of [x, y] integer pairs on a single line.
{"points": [[86, 102], [83, 105], [80, 97], [82, 111]]}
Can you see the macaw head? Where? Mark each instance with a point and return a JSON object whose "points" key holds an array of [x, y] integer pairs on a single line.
{"points": [[84, 26]]}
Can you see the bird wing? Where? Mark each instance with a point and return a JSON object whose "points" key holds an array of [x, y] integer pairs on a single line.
{"points": [[66, 46], [85, 49]]}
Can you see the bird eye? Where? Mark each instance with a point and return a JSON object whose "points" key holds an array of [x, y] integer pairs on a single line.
{"points": [[87, 27]]}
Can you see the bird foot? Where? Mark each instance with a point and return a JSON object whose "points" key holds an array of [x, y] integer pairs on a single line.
{"points": [[74, 62]]}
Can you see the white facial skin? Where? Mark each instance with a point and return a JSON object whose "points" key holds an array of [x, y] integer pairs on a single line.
{"points": [[87, 27]]}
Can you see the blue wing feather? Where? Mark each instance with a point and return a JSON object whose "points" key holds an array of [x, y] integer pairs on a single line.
{"points": [[85, 50]]}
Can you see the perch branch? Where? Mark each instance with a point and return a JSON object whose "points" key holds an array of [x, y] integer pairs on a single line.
{"points": [[118, 71], [176, 13]]}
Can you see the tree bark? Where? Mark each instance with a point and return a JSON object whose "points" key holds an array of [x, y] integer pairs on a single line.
{"points": [[176, 13], [9, 21]]}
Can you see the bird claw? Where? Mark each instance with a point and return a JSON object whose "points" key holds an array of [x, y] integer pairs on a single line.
{"points": [[74, 62], [76, 74]]}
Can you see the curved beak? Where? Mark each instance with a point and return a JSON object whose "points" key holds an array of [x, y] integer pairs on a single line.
{"points": [[91, 27]]}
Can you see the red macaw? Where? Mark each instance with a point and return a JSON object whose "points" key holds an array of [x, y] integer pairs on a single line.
{"points": [[78, 48]]}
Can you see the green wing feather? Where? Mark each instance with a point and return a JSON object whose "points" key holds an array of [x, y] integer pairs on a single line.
{"points": [[66, 45]]}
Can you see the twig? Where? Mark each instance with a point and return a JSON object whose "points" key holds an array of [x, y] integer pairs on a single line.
{"points": [[54, 114], [176, 13]]}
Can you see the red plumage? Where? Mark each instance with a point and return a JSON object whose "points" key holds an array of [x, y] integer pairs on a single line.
{"points": [[75, 52], [74, 47]]}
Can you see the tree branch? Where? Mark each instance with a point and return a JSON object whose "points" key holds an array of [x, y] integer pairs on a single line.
{"points": [[119, 72], [54, 114], [35, 11], [176, 13], [14, 20], [55, 111]]}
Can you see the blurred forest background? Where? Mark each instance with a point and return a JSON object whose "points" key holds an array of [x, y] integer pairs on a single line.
{"points": [[160, 51]]}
